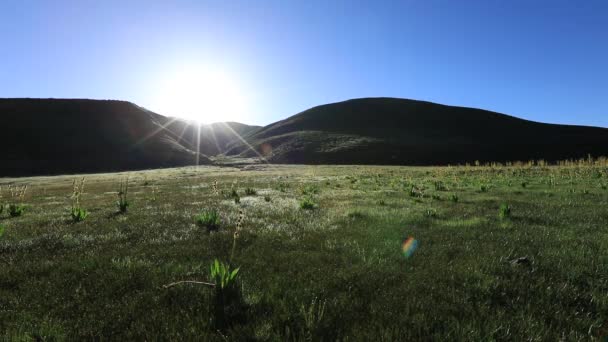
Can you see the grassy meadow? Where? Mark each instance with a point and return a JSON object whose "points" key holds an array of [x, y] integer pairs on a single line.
{"points": [[504, 253]]}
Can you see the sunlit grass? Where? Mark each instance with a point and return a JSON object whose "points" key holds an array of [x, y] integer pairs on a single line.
{"points": [[332, 273]]}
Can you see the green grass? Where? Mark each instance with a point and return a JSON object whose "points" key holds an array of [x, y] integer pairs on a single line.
{"points": [[16, 210], [332, 273], [78, 214], [209, 219]]}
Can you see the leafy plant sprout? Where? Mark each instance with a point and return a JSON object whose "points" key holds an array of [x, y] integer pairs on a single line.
{"points": [[16, 208], [209, 219], [504, 211], [307, 203], [123, 199], [77, 213]]}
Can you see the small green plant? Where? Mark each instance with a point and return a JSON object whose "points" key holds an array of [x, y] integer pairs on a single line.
{"points": [[440, 186], [504, 211], [436, 197], [123, 199], [221, 275], [454, 198], [209, 219], [524, 184], [227, 302], [483, 188], [309, 190], [16, 210], [604, 186], [77, 213], [250, 192], [313, 318], [430, 213], [416, 192], [1, 230], [267, 198], [234, 195], [307, 203], [381, 202]]}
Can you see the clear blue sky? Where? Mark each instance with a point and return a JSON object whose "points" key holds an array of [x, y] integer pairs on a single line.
{"points": [[541, 60]]}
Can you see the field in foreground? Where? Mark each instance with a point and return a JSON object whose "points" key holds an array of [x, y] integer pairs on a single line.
{"points": [[319, 254]]}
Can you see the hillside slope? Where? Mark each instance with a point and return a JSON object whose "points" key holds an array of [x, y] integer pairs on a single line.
{"points": [[408, 132], [214, 138], [50, 136]]}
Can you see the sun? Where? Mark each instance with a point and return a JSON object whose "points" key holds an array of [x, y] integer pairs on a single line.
{"points": [[202, 95]]}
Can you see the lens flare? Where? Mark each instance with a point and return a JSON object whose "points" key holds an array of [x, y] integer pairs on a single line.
{"points": [[409, 246]]}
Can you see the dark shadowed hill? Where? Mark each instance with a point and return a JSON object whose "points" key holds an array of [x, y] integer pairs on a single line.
{"points": [[214, 138], [51, 136], [400, 131]]}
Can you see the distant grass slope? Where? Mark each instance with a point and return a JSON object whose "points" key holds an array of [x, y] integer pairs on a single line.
{"points": [[52, 136], [401, 131]]}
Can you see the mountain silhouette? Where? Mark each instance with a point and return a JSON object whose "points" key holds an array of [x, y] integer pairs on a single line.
{"points": [[408, 132], [63, 136], [54, 136]]}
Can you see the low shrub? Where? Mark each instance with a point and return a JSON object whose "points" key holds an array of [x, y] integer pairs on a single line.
{"points": [[209, 219], [16, 210], [78, 214], [504, 211], [307, 203]]}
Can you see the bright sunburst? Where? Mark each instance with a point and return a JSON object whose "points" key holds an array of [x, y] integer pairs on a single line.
{"points": [[200, 94]]}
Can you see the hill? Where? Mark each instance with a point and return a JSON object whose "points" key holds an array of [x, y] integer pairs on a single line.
{"points": [[53, 136], [408, 132], [214, 138]]}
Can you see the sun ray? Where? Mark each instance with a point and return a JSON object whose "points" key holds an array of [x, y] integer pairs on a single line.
{"points": [[198, 145], [214, 137], [181, 135], [155, 132], [246, 143]]}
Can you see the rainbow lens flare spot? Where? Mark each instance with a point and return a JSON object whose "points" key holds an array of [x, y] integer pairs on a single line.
{"points": [[409, 246]]}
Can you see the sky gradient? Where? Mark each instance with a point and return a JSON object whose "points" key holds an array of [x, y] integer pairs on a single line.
{"points": [[540, 60]]}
